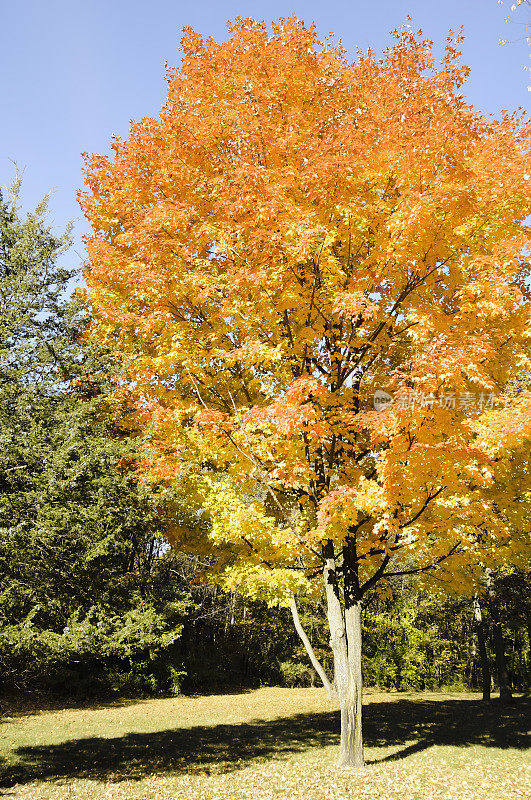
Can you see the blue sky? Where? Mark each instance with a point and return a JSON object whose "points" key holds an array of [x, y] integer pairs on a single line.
{"points": [[74, 73]]}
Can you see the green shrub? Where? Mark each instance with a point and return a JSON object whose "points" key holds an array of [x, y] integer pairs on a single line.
{"points": [[296, 674], [96, 653]]}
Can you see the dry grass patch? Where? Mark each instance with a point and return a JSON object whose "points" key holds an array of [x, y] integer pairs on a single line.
{"points": [[265, 744]]}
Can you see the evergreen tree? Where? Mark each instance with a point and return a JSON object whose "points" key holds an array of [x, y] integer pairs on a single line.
{"points": [[81, 545]]}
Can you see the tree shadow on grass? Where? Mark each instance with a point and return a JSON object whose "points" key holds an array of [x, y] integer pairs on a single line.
{"points": [[425, 723], [227, 747]]}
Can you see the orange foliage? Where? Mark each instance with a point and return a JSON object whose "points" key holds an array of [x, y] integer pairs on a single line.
{"points": [[292, 233]]}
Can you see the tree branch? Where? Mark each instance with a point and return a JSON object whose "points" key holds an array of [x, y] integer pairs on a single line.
{"points": [[309, 649], [427, 567], [424, 507]]}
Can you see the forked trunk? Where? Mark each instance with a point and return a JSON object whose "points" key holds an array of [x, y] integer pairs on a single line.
{"points": [[345, 641]]}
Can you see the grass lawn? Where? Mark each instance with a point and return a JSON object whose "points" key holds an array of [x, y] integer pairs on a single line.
{"points": [[264, 744]]}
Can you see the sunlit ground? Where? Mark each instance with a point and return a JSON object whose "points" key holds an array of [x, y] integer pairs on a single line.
{"points": [[268, 743]]}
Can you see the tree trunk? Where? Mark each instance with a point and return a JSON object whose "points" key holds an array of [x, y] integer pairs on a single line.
{"points": [[497, 639], [309, 649], [347, 666], [355, 686], [480, 633]]}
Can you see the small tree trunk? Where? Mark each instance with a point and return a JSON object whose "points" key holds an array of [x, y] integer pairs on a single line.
{"points": [[497, 638], [338, 643], [501, 664], [309, 649], [354, 747], [480, 633], [345, 640]]}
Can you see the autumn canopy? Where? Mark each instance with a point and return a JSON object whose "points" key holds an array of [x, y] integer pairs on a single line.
{"points": [[294, 233]]}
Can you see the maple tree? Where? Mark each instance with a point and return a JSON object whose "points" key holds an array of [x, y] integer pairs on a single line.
{"points": [[293, 233]]}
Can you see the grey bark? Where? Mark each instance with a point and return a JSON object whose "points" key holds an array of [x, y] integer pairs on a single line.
{"points": [[345, 641], [355, 685], [309, 649]]}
